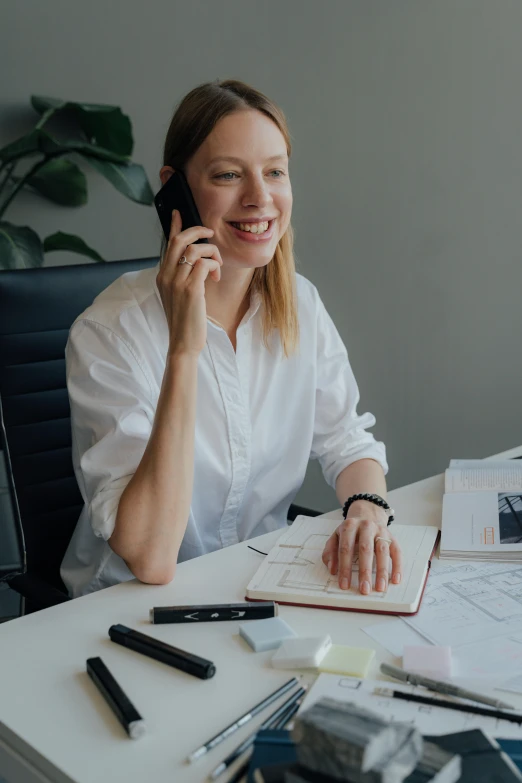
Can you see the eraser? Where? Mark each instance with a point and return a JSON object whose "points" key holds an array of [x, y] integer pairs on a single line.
{"points": [[266, 634], [354, 661], [301, 653], [430, 660]]}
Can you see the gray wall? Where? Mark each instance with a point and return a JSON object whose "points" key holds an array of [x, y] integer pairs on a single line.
{"points": [[407, 172]]}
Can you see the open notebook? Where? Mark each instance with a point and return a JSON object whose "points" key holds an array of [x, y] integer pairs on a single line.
{"points": [[293, 572]]}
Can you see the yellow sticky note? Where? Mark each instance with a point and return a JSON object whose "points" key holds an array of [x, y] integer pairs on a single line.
{"points": [[354, 661]]}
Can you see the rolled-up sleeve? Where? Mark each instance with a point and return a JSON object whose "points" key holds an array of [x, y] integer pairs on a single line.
{"points": [[340, 434], [111, 417]]}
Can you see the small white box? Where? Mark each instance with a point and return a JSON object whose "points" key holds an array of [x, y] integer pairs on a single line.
{"points": [[301, 653]]}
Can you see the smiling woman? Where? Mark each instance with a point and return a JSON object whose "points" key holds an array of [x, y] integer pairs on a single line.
{"points": [[200, 389], [236, 164]]}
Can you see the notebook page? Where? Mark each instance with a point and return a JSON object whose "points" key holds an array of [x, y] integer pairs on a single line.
{"points": [[293, 569]]}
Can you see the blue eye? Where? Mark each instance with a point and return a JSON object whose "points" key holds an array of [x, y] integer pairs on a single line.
{"points": [[228, 175]]}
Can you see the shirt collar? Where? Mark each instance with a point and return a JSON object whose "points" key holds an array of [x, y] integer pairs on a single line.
{"points": [[255, 303]]}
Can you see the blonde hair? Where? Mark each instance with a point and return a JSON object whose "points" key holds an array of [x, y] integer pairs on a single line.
{"points": [[194, 119]]}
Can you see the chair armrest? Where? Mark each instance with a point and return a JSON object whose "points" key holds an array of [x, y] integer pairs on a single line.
{"points": [[294, 511], [41, 594]]}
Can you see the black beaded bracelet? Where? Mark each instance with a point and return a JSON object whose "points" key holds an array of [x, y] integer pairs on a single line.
{"points": [[376, 499]]}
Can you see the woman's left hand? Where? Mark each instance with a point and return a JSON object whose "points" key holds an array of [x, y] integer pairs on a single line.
{"points": [[364, 531]]}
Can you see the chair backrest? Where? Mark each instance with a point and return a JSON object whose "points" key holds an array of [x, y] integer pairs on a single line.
{"points": [[37, 309]]}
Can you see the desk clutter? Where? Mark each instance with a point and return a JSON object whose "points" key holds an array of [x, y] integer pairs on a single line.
{"points": [[345, 727], [475, 609], [333, 742], [465, 620], [268, 633]]}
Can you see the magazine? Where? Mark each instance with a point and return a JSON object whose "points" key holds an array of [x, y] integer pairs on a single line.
{"points": [[482, 510]]}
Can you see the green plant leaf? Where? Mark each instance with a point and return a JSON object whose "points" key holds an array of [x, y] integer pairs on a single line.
{"points": [[61, 241], [104, 126], [130, 179], [62, 182], [20, 247], [33, 143], [39, 141]]}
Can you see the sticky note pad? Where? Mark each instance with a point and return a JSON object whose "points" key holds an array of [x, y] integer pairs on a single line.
{"points": [[354, 661], [266, 634], [430, 660]]}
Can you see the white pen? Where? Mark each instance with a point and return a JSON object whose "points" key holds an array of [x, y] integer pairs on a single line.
{"points": [[440, 686]]}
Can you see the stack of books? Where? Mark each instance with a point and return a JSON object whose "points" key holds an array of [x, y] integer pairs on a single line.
{"points": [[482, 511]]}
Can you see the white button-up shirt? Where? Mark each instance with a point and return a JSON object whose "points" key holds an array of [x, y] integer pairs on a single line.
{"points": [[260, 417]]}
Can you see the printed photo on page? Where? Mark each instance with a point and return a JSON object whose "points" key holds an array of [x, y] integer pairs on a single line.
{"points": [[486, 522]]}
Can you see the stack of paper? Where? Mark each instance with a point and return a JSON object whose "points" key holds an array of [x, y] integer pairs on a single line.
{"points": [[482, 511]]}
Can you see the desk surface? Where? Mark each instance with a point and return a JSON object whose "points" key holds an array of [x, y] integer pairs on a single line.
{"points": [[49, 701]]}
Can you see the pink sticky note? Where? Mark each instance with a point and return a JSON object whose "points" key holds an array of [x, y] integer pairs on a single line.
{"points": [[430, 660]]}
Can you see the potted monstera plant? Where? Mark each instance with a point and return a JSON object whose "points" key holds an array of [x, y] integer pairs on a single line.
{"points": [[99, 134]]}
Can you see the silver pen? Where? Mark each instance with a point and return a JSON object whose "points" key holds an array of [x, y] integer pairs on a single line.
{"points": [[440, 686]]}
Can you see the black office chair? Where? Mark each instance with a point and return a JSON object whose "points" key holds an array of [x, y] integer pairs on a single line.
{"points": [[37, 309]]}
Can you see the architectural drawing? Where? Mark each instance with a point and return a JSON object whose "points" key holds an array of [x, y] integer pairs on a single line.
{"points": [[466, 603], [302, 551]]}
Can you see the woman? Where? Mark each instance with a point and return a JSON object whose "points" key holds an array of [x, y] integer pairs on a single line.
{"points": [[200, 389]]}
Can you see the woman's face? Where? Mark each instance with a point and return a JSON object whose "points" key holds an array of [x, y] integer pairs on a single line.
{"points": [[239, 175]]}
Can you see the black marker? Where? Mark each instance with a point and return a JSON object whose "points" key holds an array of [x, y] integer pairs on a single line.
{"points": [[449, 705], [160, 651], [117, 700], [211, 613]]}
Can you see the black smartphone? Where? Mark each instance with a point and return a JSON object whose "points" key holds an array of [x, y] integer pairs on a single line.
{"points": [[176, 194]]}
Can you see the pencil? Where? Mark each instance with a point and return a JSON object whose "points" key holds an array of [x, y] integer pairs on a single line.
{"points": [[449, 705], [282, 722], [269, 723], [245, 718]]}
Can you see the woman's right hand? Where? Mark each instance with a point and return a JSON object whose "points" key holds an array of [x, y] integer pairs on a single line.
{"points": [[182, 287]]}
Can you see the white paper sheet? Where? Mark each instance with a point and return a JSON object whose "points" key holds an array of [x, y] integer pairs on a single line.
{"points": [[495, 650], [393, 635], [514, 685], [494, 658], [483, 475], [476, 609], [427, 719]]}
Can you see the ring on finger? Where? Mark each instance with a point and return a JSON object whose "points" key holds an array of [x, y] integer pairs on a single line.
{"points": [[382, 538], [183, 260]]}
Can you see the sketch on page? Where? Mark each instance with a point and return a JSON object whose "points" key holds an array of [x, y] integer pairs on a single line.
{"points": [[470, 602], [444, 571], [295, 563], [428, 719], [303, 547]]}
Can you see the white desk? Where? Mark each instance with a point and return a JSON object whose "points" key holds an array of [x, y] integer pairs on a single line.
{"points": [[47, 698]]}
